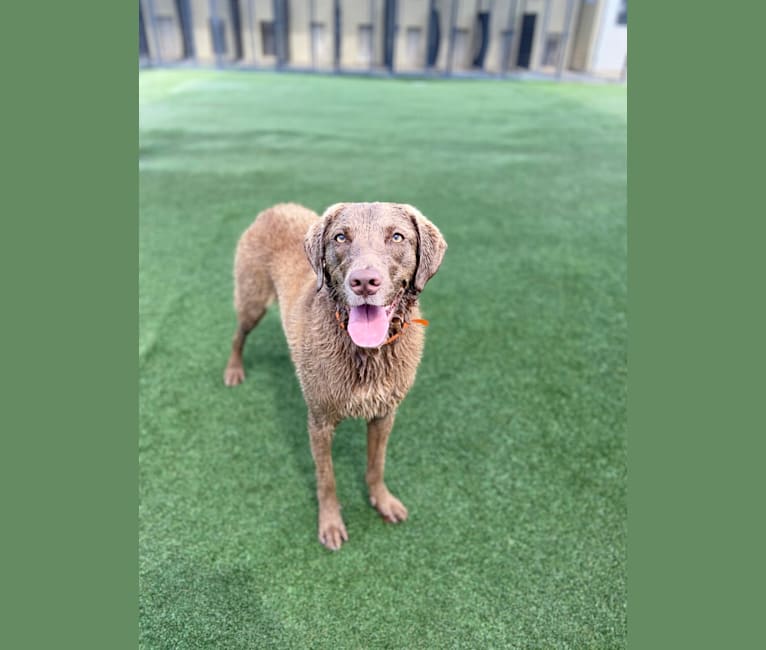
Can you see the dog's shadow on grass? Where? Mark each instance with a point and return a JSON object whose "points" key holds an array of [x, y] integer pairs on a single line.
{"points": [[267, 361]]}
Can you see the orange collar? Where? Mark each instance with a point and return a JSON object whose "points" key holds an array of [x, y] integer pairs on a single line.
{"points": [[393, 337]]}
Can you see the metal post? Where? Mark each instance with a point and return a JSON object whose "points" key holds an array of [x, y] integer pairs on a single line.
{"points": [[429, 35], [277, 24], [281, 26], [565, 38], [372, 35], [337, 40], [508, 43], [143, 42], [236, 29], [312, 22], [214, 32], [187, 31], [451, 42], [157, 42], [544, 31], [481, 54], [251, 21], [518, 45], [389, 34]]}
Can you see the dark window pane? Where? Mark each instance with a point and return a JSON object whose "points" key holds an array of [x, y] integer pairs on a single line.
{"points": [[622, 13], [268, 42]]}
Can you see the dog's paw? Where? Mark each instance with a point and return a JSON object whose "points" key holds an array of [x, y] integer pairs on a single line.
{"points": [[332, 532], [233, 376], [389, 507]]}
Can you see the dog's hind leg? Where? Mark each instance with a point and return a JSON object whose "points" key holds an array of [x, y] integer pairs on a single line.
{"points": [[253, 292], [235, 372]]}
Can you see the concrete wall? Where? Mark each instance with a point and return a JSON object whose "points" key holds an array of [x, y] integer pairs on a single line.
{"points": [[611, 48], [411, 42], [163, 30], [203, 12], [553, 37], [502, 28], [362, 34], [601, 45], [311, 34], [466, 35], [549, 36], [584, 33], [253, 15]]}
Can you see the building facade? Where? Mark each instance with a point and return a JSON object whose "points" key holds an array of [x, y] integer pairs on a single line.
{"points": [[447, 37]]}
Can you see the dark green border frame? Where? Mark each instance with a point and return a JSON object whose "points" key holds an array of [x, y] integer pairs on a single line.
{"points": [[695, 352], [69, 263]]}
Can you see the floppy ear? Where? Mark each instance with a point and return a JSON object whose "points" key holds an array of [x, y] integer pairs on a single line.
{"points": [[431, 248], [313, 243]]}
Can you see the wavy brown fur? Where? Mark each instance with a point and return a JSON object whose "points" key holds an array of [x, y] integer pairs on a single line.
{"points": [[288, 253]]}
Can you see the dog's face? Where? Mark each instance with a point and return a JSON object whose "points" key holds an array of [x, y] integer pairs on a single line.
{"points": [[370, 254]]}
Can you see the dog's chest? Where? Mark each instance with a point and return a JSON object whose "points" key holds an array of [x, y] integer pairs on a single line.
{"points": [[366, 384], [377, 383], [358, 384]]}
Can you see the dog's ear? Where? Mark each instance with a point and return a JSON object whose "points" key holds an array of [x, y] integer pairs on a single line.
{"points": [[313, 243], [431, 248]]}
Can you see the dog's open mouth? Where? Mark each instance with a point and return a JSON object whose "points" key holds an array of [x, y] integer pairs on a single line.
{"points": [[368, 324]]}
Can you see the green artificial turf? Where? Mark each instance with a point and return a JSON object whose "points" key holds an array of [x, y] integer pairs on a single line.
{"points": [[510, 451]]}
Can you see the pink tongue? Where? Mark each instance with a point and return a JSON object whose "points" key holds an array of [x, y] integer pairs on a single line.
{"points": [[368, 326]]}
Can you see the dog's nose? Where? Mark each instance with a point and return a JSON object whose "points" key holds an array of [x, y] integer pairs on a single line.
{"points": [[365, 282]]}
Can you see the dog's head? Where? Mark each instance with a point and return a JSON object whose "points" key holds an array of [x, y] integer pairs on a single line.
{"points": [[370, 255]]}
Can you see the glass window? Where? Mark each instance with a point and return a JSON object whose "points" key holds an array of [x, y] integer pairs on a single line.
{"points": [[622, 13], [268, 42]]}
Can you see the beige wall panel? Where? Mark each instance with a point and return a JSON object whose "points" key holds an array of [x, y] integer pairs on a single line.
{"points": [[466, 35], [250, 39], [321, 35], [299, 12], [362, 34], [411, 42], [311, 34], [498, 23], [224, 12], [584, 36], [163, 30], [203, 43], [557, 15], [203, 39], [554, 29], [444, 7], [354, 17], [251, 14]]}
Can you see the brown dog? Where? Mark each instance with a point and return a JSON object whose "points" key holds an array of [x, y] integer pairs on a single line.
{"points": [[347, 286]]}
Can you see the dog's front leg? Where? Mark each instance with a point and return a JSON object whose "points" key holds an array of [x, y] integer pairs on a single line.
{"points": [[332, 532], [378, 430]]}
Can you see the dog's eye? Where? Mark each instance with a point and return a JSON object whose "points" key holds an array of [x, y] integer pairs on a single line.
{"points": [[340, 238], [397, 237]]}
